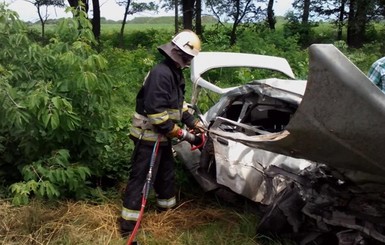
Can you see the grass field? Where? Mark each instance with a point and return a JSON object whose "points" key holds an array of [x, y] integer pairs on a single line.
{"points": [[107, 28], [194, 221]]}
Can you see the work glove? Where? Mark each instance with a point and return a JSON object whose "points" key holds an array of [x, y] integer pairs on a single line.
{"points": [[199, 127], [174, 133], [183, 134]]}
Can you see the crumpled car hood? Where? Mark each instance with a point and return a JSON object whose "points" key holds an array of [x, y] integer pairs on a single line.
{"points": [[309, 151], [340, 121]]}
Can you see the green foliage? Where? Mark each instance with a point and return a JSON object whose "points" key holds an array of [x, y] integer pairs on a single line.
{"points": [[50, 177], [128, 69], [54, 96], [363, 58], [216, 39], [65, 96], [166, 20], [257, 41], [148, 39], [304, 31]]}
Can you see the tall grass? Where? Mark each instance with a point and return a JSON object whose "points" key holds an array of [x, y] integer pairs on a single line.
{"points": [[192, 222]]}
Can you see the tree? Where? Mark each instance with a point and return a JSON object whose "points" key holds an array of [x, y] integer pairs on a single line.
{"points": [[237, 11], [169, 5], [39, 4], [341, 18], [198, 18], [188, 13], [176, 17], [83, 4], [135, 8], [96, 18], [270, 15], [303, 9], [300, 20], [306, 11], [359, 12], [191, 10], [334, 10], [381, 8]]}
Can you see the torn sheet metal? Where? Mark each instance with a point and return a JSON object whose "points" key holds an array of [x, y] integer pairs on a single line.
{"points": [[308, 150], [281, 89], [340, 111], [242, 169]]}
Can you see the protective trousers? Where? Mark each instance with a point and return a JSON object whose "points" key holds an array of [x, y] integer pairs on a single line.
{"points": [[163, 176]]}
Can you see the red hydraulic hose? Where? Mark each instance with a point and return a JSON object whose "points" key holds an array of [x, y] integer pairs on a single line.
{"points": [[203, 137], [146, 190], [133, 234]]}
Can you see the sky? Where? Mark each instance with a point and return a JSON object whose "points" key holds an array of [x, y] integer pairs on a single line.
{"points": [[109, 9]]}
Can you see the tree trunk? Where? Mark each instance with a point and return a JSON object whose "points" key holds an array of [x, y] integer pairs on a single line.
{"points": [[96, 19], [270, 15], [188, 7], [198, 17], [306, 11], [357, 23], [351, 22], [341, 17], [176, 19], [42, 21], [121, 35], [233, 34]]}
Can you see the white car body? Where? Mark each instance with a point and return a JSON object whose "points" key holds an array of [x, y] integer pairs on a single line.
{"points": [[277, 141]]}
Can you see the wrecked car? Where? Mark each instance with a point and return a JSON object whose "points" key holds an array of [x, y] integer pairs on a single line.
{"points": [[308, 151]]}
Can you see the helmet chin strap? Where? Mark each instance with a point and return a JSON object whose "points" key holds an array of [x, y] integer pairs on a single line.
{"points": [[181, 66]]}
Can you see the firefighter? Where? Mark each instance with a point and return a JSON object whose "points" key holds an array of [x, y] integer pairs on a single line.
{"points": [[160, 111]]}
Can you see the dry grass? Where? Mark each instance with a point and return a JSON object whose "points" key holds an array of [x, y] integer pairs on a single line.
{"points": [[171, 224], [68, 223], [84, 223]]}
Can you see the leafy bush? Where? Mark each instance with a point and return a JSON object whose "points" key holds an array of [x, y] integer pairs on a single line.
{"points": [[137, 39], [51, 177], [304, 31], [55, 98], [148, 39]]}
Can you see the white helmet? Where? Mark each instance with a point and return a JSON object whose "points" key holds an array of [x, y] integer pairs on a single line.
{"points": [[188, 42]]}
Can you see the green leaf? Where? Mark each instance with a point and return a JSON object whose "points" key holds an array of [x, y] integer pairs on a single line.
{"points": [[55, 121], [50, 190], [32, 185], [67, 105], [46, 118], [83, 172], [41, 189], [56, 102], [63, 176], [62, 157]]}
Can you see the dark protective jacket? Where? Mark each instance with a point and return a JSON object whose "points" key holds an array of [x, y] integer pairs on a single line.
{"points": [[160, 103]]}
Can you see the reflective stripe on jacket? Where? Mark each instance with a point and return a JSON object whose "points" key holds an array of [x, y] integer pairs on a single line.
{"points": [[160, 103]]}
